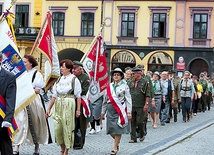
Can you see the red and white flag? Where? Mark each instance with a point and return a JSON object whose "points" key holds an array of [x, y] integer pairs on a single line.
{"points": [[96, 67], [85, 104], [47, 46]]}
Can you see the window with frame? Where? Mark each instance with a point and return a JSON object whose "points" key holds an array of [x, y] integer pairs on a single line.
{"points": [[200, 23], [200, 26], [159, 25], [127, 27], [58, 22], [0, 8], [87, 24], [22, 15], [127, 24]]}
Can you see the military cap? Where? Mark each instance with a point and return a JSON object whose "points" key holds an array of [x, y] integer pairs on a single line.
{"points": [[140, 66], [117, 70], [202, 74], [136, 69], [157, 73], [78, 63], [171, 71]]}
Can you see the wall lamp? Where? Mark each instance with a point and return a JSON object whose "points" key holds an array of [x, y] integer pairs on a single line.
{"points": [[37, 13]]}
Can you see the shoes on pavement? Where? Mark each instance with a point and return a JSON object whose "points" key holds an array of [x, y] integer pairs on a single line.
{"points": [[98, 128], [132, 141], [175, 119], [195, 114], [162, 124], [92, 131], [168, 121], [142, 138], [113, 152], [184, 121]]}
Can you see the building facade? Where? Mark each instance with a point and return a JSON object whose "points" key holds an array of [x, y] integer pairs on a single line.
{"points": [[161, 35]]}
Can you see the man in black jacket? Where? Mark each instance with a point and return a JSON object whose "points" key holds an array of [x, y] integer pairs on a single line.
{"points": [[8, 94]]}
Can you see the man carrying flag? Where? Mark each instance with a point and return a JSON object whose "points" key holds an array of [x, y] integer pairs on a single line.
{"points": [[85, 110], [7, 107], [95, 65]]}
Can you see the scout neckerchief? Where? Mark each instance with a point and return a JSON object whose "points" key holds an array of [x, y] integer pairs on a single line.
{"points": [[120, 108]]}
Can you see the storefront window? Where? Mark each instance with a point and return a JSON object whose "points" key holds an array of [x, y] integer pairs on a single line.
{"points": [[123, 59], [160, 61]]}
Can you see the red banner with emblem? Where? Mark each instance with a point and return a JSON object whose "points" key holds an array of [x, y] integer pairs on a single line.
{"points": [[95, 65]]}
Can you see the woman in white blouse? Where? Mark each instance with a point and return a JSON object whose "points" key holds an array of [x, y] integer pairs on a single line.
{"points": [[33, 127], [65, 90], [117, 103]]}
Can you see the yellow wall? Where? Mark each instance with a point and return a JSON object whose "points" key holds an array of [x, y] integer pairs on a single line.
{"points": [[37, 8]]}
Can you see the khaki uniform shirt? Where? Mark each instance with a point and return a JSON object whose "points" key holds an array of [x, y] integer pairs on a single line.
{"points": [[140, 92]]}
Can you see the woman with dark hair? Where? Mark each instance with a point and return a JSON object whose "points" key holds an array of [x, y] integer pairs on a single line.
{"points": [[33, 127], [117, 103], [65, 90]]}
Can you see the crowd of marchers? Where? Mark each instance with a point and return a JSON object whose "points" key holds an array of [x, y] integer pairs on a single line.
{"points": [[130, 100]]}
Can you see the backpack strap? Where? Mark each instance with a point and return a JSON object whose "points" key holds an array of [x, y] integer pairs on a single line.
{"points": [[72, 86], [34, 75]]}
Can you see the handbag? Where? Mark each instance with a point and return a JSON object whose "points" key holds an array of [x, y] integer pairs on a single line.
{"points": [[162, 104], [77, 135]]}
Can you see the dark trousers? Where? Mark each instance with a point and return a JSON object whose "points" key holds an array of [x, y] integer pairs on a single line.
{"points": [[186, 103], [209, 99], [83, 126], [138, 121], [5, 141], [195, 105], [203, 102]]}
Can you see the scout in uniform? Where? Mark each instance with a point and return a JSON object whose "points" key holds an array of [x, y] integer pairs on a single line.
{"points": [[204, 84], [140, 94], [84, 81], [177, 96], [148, 78]]}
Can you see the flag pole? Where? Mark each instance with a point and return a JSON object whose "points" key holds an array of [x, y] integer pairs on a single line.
{"points": [[90, 46], [38, 36], [11, 5]]}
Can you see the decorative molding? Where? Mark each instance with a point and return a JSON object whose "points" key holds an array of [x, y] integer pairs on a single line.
{"points": [[127, 40], [199, 42], [158, 41], [88, 8], [128, 9], [58, 7], [159, 9], [207, 10]]}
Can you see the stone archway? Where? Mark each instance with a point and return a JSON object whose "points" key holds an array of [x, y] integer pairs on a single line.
{"points": [[197, 66], [71, 53]]}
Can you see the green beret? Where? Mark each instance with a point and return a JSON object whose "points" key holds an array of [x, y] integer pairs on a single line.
{"points": [[136, 69], [78, 63]]}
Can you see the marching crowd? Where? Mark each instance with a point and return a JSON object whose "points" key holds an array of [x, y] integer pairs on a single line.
{"points": [[129, 101]]}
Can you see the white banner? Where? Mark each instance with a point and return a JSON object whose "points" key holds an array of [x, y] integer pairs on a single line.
{"points": [[12, 62]]}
